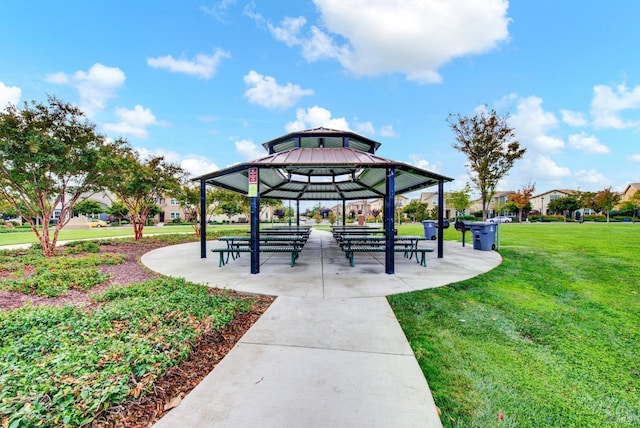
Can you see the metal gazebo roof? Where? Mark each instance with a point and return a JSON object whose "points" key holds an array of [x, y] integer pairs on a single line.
{"points": [[322, 164]]}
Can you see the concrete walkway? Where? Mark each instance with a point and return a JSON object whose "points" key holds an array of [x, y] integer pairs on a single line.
{"points": [[329, 351]]}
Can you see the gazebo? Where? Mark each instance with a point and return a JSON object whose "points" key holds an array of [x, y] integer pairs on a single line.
{"points": [[322, 164]]}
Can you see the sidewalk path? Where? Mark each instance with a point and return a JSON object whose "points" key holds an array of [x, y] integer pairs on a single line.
{"points": [[329, 351]]}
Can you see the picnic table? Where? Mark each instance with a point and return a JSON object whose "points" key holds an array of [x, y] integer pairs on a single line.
{"points": [[272, 244], [409, 245], [340, 233]]}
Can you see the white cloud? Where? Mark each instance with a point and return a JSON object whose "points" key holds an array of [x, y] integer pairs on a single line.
{"points": [[95, 86], [635, 157], [265, 91], [204, 66], [587, 143], [532, 123], [543, 168], [401, 36], [419, 161], [198, 165], [219, 9], [591, 178], [9, 95], [288, 30], [609, 103], [194, 165], [365, 128], [132, 122], [573, 118], [249, 150], [316, 117], [387, 131]]}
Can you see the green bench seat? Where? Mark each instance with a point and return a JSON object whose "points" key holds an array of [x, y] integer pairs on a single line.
{"points": [[236, 250], [419, 252]]}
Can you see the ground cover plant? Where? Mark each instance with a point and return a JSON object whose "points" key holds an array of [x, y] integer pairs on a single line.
{"points": [[548, 338], [115, 354]]}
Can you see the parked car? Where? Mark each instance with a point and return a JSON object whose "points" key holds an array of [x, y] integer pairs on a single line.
{"points": [[95, 222], [500, 219]]}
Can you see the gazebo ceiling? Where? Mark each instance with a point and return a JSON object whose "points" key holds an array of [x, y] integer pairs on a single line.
{"points": [[322, 164]]}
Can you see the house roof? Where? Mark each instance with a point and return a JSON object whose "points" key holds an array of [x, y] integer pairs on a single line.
{"points": [[322, 164]]}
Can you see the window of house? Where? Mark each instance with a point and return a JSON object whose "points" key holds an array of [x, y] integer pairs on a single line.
{"points": [[174, 201], [174, 215]]}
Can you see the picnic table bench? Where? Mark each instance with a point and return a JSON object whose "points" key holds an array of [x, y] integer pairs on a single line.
{"points": [[271, 244], [409, 247]]}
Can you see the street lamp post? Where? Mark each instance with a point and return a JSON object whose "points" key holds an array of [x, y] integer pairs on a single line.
{"points": [[541, 209]]}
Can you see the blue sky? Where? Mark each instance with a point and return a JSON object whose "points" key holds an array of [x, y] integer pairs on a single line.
{"points": [[207, 82]]}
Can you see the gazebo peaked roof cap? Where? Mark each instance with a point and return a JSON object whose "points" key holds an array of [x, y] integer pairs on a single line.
{"points": [[321, 138], [322, 164]]}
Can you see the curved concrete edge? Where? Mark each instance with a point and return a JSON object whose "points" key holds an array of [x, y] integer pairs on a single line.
{"points": [[322, 270]]}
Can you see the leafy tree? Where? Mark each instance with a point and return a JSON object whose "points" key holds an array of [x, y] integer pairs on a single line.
{"points": [[50, 155], [6, 209], [89, 206], [138, 184], [586, 200], [332, 218], [118, 210], [375, 213], [268, 204], [189, 198], [522, 198], [460, 199], [490, 146], [317, 217], [229, 203], [606, 200], [416, 211], [564, 205]]}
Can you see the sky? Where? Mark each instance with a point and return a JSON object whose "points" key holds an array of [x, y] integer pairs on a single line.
{"points": [[205, 83]]}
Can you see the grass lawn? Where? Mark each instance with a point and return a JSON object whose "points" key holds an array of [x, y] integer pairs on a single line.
{"points": [[549, 338], [26, 236]]}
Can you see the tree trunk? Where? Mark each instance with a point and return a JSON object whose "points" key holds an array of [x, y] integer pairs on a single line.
{"points": [[196, 229], [137, 230]]}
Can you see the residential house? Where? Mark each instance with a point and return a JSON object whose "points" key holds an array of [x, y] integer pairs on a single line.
{"points": [[629, 191], [494, 205], [540, 202], [431, 199]]}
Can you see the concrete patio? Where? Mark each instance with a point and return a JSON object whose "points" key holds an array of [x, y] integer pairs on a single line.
{"points": [[329, 351]]}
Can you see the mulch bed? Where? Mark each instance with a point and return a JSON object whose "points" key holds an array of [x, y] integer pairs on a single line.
{"points": [[168, 390]]}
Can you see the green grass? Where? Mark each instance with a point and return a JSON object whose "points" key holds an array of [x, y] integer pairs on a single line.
{"points": [[26, 236], [549, 338]]}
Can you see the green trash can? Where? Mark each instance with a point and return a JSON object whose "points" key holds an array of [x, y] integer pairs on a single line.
{"points": [[484, 235]]}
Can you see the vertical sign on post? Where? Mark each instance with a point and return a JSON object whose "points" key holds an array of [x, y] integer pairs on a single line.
{"points": [[253, 182]]}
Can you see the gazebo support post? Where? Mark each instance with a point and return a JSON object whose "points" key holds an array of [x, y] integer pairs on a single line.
{"points": [[255, 234], [298, 212], [344, 213], [389, 221], [440, 219], [203, 219]]}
